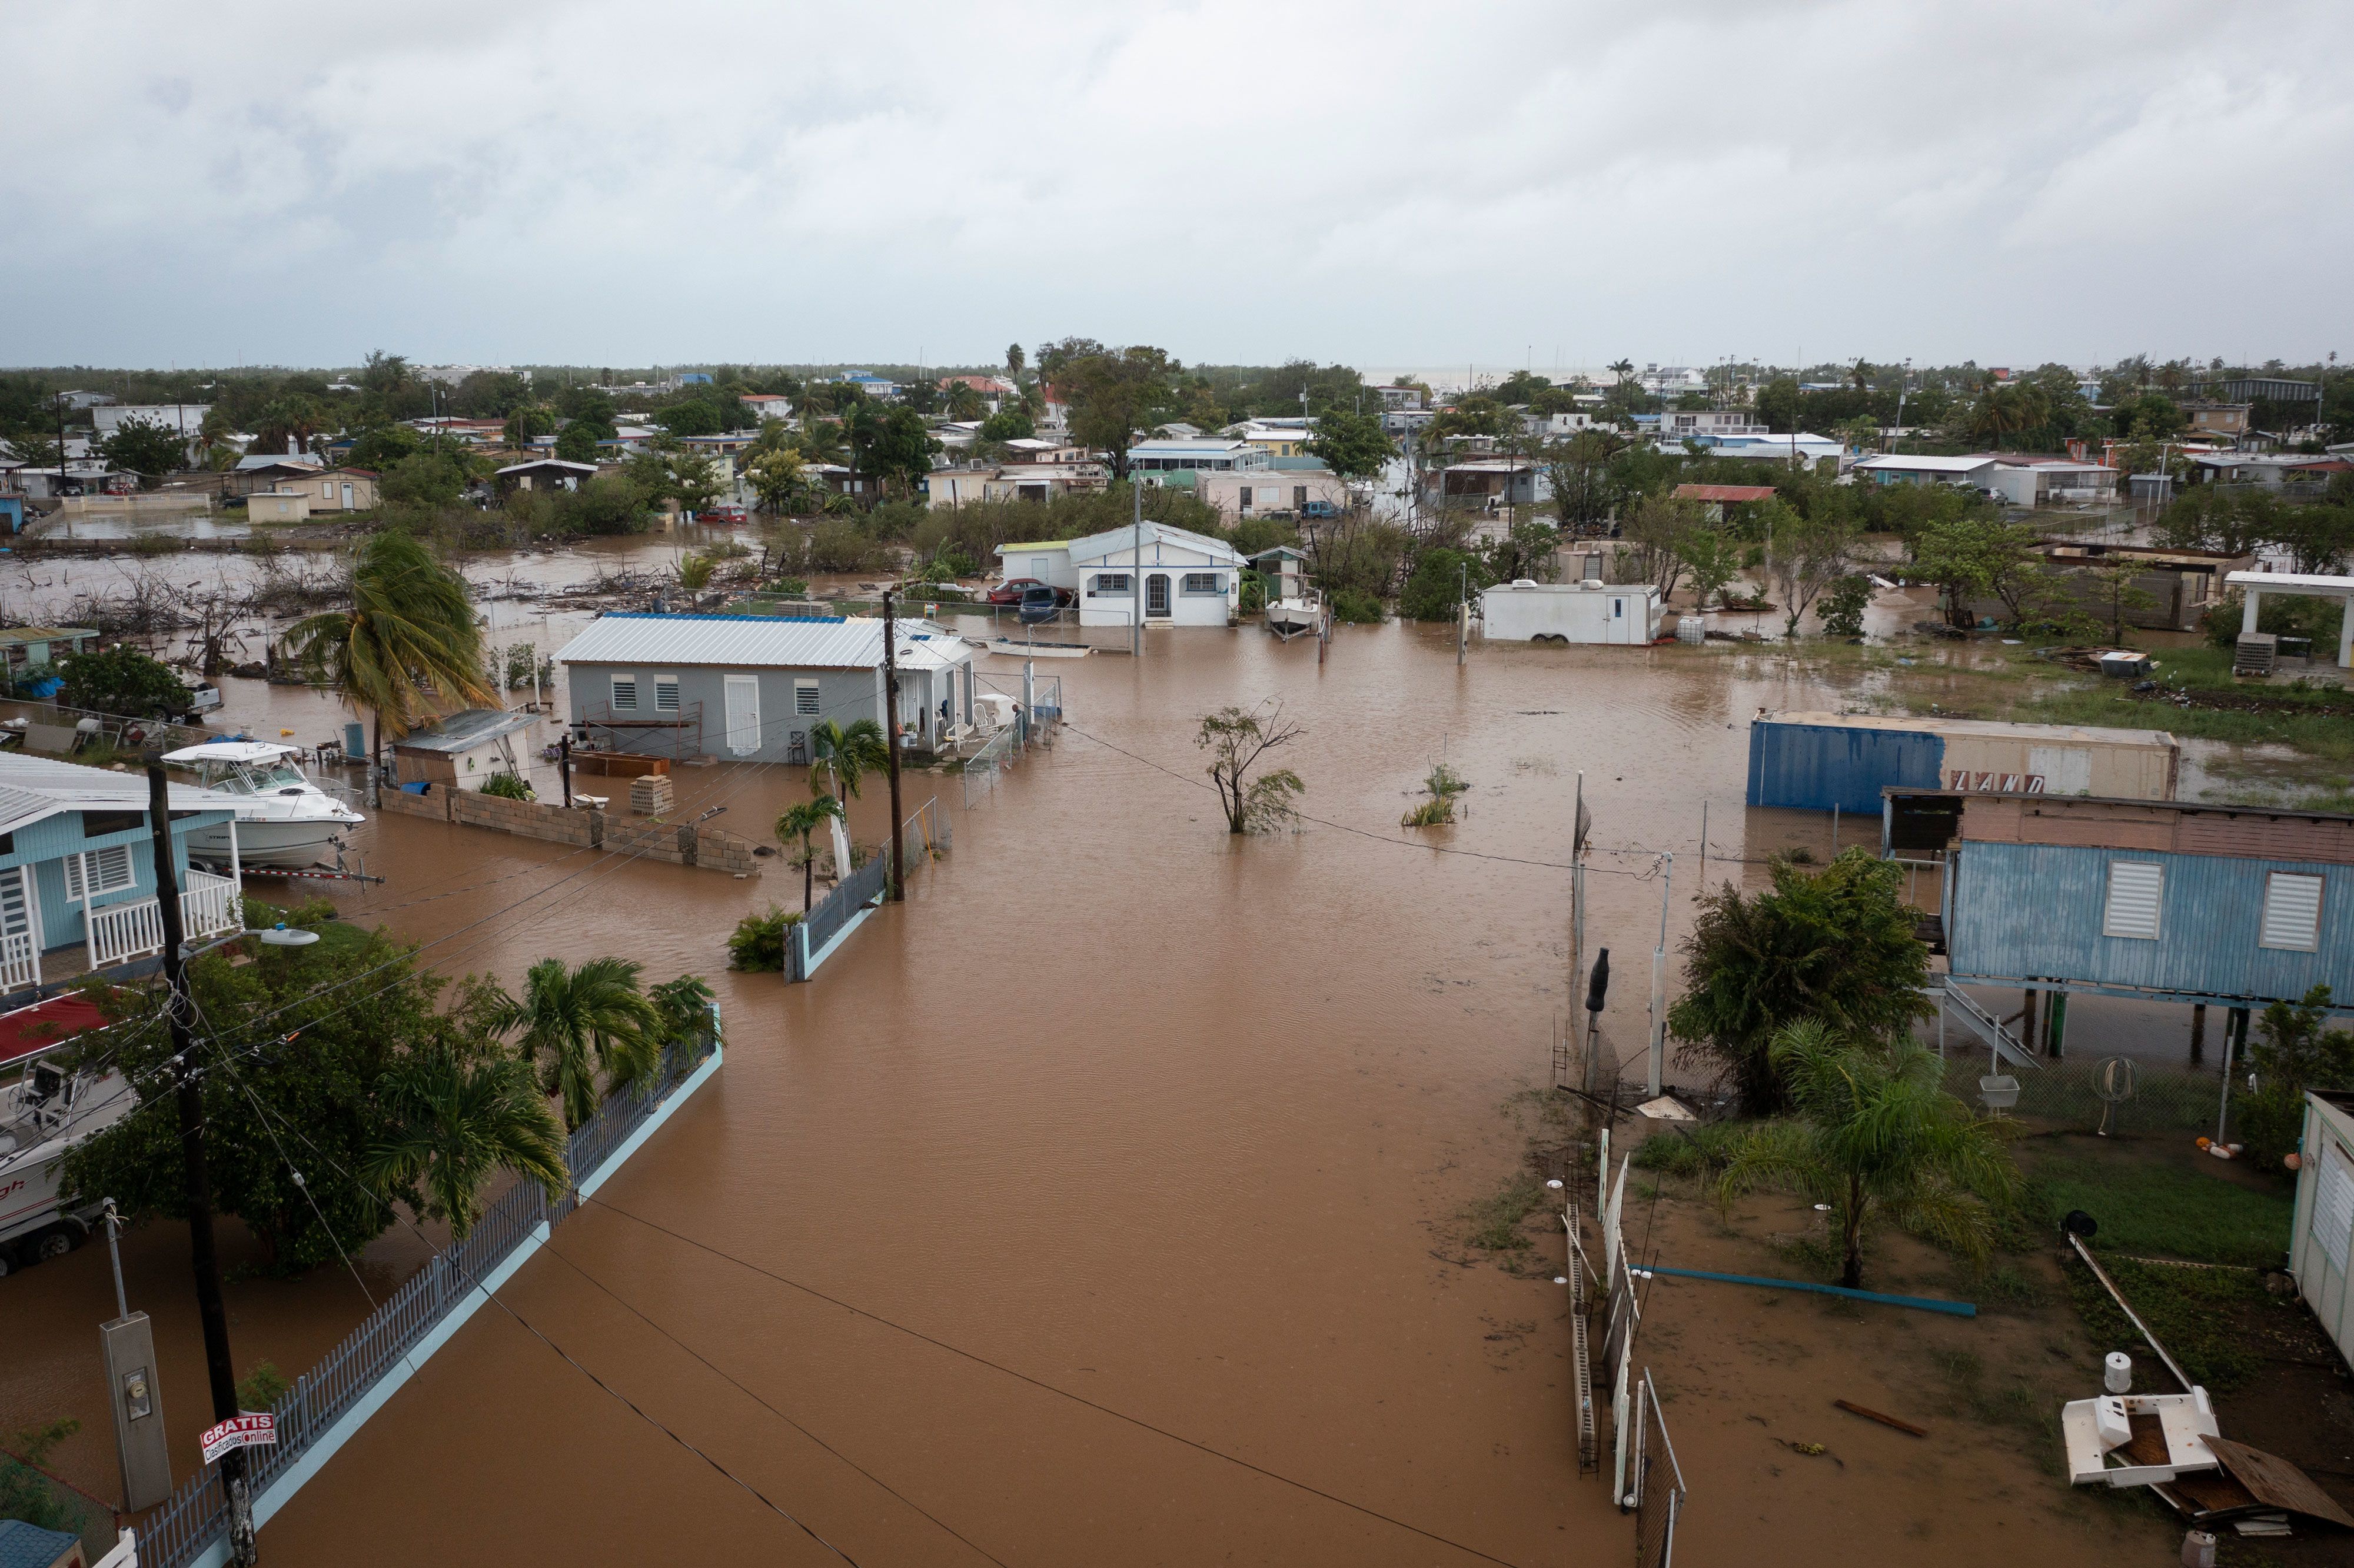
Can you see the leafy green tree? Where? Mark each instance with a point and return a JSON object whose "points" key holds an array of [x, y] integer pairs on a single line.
{"points": [[802, 821], [1843, 607], [1353, 445], [454, 1121], [1776, 405], [1478, 415], [258, 1082], [1524, 550], [842, 755], [606, 506], [1255, 798], [1876, 1136], [695, 480], [777, 480], [577, 442], [25, 1492], [1010, 423], [965, 403], [1972, 557], [1804, 557], [1115, 396], [148, 448], [122, 681], [578, 1024], [408, 641], [1711, 558], [289, 424], [1584, 491], [424, 478], [381, 445], [1440, 579], [2295, 1049], [1836, 944], [898, 448]]}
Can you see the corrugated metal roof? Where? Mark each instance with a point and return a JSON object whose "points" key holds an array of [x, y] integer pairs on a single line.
{"points": [[1107, 545], [71, 786], [464, 731], [1991, 729], [757, 643]]}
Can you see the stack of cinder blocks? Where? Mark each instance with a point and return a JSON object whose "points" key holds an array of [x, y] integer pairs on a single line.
{"points": [[650, 794]]}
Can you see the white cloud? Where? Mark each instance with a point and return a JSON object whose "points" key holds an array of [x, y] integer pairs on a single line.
{"points": [[619, 184]]}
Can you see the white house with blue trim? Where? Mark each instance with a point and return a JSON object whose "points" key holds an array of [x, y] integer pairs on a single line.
{"points": [[1184, 579]]}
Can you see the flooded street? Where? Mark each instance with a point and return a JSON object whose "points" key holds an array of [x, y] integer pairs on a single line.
{"points": [[1104, 1203]]}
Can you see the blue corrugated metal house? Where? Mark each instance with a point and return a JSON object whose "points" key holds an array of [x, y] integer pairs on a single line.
{"points": [[2161, 900]]}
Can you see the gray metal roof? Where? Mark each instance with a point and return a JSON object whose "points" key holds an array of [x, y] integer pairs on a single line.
{"points": [[1107, 546], [26, 1545], [755, 643], [32, 788], [464, 731]]}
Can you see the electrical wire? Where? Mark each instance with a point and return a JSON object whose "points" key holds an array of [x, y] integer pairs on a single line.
{"points": [[1048, 1387]]}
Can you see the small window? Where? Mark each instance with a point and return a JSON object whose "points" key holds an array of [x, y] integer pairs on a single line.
{"points": [[1112, 582], [109, 871], [805, 700], [2135, 890], [2292, 917], [625, 694], [1247, 497], [1202, 582], [665, 694], [326, 490]]}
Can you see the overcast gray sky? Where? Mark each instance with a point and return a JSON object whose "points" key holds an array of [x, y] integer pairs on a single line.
{"points": [[1237, 182]]}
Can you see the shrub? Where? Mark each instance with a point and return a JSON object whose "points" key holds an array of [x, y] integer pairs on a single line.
{"points": [[2293, 1050], [121, 680], [1438, 584], [757, 943], [1354, 606], [608, 504], [508, 787]]}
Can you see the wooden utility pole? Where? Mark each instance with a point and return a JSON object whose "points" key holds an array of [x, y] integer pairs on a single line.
{"points": [[891, 722], [195, 1177]]}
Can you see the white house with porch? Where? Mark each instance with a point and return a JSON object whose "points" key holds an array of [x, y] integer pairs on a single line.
{"points": [[1185, 579], [77, 883]]}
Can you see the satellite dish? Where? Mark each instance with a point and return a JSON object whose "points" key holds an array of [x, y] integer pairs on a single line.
{"points": [[2114, 1081]]}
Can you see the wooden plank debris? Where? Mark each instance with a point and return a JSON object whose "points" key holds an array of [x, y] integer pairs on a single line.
{"points": [[1854, 1409]]}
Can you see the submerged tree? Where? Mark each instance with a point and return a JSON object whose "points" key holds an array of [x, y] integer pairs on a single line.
{"points": [[842, 754], [455, 1122], [1442, 786], [801, 823], [578, 1022], [1838, 945], [1876, 1136], [1255, 800]]}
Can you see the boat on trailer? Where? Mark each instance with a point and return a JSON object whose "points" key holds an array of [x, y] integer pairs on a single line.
{"points": [[282, 818]]}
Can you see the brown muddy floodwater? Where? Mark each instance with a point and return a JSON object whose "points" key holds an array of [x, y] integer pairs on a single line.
{"points": [[1179, 1124]]}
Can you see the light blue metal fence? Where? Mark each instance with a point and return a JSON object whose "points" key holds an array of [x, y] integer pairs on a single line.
{"points": [[806, 944], [180, 1531]]}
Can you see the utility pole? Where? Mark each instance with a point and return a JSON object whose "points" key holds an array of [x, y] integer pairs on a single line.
{"points": [[1463, 610], [1659, 981], [197, 1179], [891, 721], [1135, 578]]}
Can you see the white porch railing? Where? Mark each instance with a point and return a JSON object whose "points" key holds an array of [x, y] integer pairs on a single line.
{"points": [[20, 962], [210, 905], [121, 932]]}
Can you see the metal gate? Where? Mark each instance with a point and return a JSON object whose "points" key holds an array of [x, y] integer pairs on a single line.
{"points": [[1658, 1482]]}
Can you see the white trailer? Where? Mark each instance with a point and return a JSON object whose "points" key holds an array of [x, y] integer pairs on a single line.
{"points": [[1590, 611]]}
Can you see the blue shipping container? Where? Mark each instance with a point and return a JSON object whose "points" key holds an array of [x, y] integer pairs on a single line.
{"points": [[1812, 768]]}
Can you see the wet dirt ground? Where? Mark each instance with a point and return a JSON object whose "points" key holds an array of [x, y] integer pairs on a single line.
{"points": [[1146, 1148]]}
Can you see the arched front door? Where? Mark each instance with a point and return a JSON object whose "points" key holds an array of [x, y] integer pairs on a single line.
{"points": [[1156, 594]]}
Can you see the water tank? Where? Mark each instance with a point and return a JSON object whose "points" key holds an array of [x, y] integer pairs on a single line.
{"points": [[1690, 629]]}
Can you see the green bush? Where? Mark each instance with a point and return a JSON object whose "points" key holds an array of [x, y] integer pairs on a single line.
{"points": [[608, 504], [1438, 584], [121, 680], [2283, 615], [1354, 606], [757, 943], [508, 787], [1701, 1152]]}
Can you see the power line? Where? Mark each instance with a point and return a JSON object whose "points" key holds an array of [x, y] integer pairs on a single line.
{"points": [[1050, 1388]]}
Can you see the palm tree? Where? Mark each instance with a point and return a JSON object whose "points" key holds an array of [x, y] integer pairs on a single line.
{"points": [[576, 1023], [844, 755], [1624, 369], [821, 440], [1876, 1134], [965, 402], [456, 1121], [802, 822], [409, 638], [1860, 376]]}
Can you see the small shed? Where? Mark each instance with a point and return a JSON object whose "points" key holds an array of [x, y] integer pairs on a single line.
{"points": [[26, 1545], [44, 645], [464, 751], [278, 506], [544, 473]]}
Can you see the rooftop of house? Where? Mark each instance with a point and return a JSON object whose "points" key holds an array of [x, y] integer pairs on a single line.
{"points": [[33, 788], [757, 642], [464, 731], [1106, 547], [1725, 493]]}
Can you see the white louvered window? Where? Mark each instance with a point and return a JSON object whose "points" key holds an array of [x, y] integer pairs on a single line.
{"points": [[109, 871], [805, 703], [665, 694], [2135, 890], [625, 694], [2292, 912]]}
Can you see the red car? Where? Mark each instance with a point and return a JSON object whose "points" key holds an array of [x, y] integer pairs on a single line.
{"points": [[713, 516], [1010, 591]]}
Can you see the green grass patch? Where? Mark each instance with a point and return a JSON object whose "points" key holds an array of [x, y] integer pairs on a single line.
{"points": [[2011, 1402], [1701, 1153], [2160, 1204], [1496, 1219], [2198, 1314]]}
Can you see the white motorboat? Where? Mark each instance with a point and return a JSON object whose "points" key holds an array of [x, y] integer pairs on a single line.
{"points": [[285, 819], [1300, 610], [42, 1116]]}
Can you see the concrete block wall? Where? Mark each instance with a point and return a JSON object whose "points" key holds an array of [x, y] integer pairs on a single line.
{"points": [[673, 843]]}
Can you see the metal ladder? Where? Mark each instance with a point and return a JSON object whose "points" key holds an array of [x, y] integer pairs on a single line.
{"points": [[1988, 1028]]}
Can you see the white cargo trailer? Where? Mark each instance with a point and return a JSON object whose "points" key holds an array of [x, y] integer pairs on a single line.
{"points": [[1590, 611]]}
